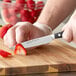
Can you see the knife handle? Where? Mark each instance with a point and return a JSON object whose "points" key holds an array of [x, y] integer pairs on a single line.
{"points": [[58, 35]]}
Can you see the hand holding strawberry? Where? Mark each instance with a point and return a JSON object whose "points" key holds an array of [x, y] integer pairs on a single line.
{"points": [[21, 32]]}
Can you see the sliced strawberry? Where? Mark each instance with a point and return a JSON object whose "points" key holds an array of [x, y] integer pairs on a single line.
{"points": [[31, 4], [4, 29], [19, 49], [4, 53]]}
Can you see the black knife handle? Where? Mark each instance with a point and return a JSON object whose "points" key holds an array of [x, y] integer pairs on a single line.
{"points": [[58, 35]]}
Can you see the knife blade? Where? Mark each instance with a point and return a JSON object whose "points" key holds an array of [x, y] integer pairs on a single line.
{"points": [[42, 40]]}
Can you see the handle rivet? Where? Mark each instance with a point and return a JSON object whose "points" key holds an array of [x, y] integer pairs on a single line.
{"points": [[59, 35]]}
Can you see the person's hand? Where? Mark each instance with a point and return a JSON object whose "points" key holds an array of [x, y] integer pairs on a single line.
{"points": [[70, 29], [21, 32]]}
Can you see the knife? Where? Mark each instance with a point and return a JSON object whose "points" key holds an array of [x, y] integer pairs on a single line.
{"points": [[42, 40]]}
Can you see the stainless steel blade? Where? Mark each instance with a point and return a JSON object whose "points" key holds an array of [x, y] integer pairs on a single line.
{"points": [[38, 41]]}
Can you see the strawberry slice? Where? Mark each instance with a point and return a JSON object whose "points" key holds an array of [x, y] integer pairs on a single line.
{"points": [[4, 53], [31, 4], [19, 49], [4, 29]]}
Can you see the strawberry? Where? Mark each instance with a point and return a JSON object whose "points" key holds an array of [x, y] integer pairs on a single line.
{"points": [[38, 12], [7, 0], [4, 29], [20, 4], [9, 25], [20, 1], [24, 19], [31, 4], [25, 13], [35, 18], [33, 13], [5, 13], [31, 19], [19, 49], [4, 53], [13, 20], [40, 4]]}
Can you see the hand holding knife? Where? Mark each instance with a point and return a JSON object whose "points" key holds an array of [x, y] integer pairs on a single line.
{"points": [[42, 40]]}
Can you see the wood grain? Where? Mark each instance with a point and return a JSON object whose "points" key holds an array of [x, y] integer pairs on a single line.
{"points": [[53, 57]]}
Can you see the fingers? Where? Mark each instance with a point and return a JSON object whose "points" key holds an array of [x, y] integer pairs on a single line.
{"points": [[21, 33], [9, 38], [17, 34], [67, 34]]}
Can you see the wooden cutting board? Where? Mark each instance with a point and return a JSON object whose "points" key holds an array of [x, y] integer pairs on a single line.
{"points": [[54, 57]]}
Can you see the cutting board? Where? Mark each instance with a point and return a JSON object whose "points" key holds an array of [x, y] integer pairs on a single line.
{"points": [[53, 57]]}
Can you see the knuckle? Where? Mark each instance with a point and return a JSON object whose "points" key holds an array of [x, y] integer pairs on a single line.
{"points": [[10, 30], [22, 23], [18, 30]]}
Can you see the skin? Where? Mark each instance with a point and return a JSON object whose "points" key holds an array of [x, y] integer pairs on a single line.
{"points": [[54, 12]]}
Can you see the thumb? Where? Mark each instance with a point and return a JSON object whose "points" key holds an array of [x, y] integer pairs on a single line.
{"points": [[67, 34]]}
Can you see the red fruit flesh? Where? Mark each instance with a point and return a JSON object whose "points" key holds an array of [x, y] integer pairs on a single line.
{"points": [[19, 49], [4, 53]]}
